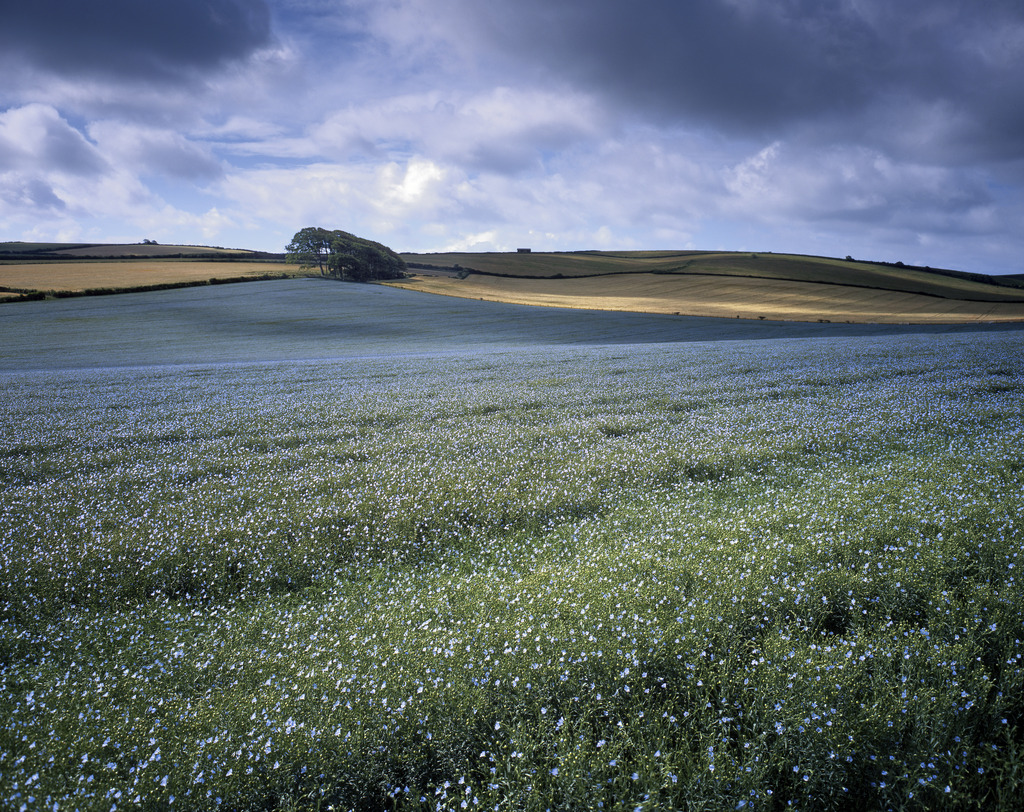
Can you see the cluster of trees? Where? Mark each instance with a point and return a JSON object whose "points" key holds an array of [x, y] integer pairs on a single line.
{"points": [[343, 255]]}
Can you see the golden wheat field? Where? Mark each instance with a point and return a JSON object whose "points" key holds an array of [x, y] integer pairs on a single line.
{"points": [[728, 297], [113, 274]]}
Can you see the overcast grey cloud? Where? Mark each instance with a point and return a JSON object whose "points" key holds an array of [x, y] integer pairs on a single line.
{"points": [[767, 67], [878, 129], [132, 40]]}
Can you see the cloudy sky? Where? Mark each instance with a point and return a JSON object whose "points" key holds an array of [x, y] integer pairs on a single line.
{"points": [[879, 129]]}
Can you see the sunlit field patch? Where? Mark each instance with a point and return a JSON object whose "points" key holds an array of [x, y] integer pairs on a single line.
{"points": [[721, 576], [114, 275]]}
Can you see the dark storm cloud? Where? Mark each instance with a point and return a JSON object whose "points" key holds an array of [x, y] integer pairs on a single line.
{"points": [[131, 39], [757, 67]]}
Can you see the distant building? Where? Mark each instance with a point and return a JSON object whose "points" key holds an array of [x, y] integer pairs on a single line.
{"points": [[523, 250]]}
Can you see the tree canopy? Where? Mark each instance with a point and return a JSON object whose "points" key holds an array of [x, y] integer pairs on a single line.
{"points": [[343, 255]]}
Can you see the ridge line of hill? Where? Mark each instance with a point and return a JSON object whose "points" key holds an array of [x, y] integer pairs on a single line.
{"points": [[1014, 281]]}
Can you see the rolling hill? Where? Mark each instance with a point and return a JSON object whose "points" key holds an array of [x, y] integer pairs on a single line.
{"points": [[723, 284], [31, 270], [719, 284], [50, 251]]}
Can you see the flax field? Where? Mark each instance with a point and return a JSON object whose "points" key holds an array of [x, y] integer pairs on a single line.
{"points": [[727, 575]]}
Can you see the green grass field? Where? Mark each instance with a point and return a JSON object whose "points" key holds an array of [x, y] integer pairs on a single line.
{"points": [[507, 575]]}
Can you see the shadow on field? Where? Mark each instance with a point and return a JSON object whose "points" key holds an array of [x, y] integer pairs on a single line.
{"points": [[317, 319]]}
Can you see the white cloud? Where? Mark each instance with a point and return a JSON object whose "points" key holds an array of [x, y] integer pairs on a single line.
{"points": [[153, 151], [36, 138], [56, 181], [242, 128], [612, 193], [854, 185], [411, 185], [481, 241], [501, 129]]}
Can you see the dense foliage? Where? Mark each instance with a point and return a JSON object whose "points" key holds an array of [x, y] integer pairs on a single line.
{"points": [[343, 255], [734, 575]]}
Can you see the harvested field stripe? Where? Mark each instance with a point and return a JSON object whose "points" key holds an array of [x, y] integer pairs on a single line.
{"points": [[112, 275], [727, 297]]}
